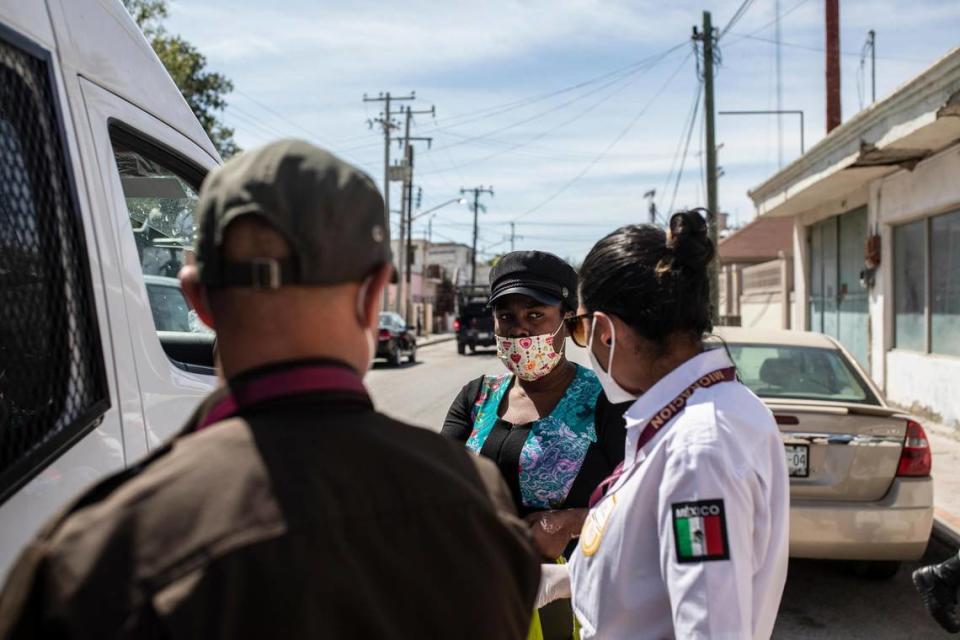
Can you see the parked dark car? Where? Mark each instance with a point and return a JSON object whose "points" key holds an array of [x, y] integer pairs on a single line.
{"points": [[474, 324], [395, 340]]}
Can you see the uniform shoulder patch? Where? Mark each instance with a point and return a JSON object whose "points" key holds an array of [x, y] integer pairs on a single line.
{"points": [[700, 531]]}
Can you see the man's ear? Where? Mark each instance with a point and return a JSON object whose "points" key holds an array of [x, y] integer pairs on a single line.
{"points": [[372, 297], [195, 294]]}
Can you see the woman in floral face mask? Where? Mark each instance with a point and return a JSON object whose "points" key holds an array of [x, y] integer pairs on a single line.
{"points": [[545, 421]]}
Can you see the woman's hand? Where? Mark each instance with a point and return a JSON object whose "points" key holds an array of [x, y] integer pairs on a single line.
{"points": [[553, 530]]}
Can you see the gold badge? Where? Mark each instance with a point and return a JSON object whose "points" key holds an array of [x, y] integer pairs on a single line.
{"points": [[595, 525]]}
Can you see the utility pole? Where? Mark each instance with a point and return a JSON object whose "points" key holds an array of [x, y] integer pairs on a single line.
{"points": [[708, 38], [476, 191], [386, 121], [872, 35], [406, 217], [513, 235]]}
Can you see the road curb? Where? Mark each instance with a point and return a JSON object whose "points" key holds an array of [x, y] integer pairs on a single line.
{"points": [[436, 340], [946, 527]]}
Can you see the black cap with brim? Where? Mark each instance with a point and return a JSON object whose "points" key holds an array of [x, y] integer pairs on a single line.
{"points": [[540, 296], [538, 274]]}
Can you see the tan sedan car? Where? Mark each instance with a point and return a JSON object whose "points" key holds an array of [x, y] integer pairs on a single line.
{"points": [[860, 484]]}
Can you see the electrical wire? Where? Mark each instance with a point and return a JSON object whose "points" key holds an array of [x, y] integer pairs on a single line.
{"points": [[686, 146], [623, 132], [735, 18], [772, 22], [675, 158], [517, 146], [495, 110], [653, 61], [804, 47]]}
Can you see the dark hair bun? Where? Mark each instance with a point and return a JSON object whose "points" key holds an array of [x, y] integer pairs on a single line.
{"points": [[688, 240]]}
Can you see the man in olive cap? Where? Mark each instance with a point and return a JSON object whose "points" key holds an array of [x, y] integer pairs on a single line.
{"points": [[287, 507]]}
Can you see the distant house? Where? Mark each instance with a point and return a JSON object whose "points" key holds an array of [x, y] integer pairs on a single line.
{"points": [[756, 280], [875, 208]]}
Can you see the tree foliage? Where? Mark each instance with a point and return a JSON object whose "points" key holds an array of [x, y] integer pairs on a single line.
{"points": [[204, 90]]}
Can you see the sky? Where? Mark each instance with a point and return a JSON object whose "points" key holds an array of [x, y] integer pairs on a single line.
{"points": [[571, 110]]}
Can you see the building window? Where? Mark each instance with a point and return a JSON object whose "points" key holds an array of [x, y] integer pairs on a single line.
{"points": [[927, 284], [909, 278], [945, 284]]}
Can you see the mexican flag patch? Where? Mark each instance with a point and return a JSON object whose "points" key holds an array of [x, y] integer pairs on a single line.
{"points": [[700, 531]]}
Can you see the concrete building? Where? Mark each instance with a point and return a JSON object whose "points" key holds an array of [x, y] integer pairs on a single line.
{"points": [[875, 207], [436, 269]]}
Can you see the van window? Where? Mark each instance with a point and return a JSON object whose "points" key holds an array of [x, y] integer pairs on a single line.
{"points": [[53, 387], [161, 197]]}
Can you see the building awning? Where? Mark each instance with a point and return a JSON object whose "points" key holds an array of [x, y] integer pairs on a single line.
{"points": [[919, 119]]}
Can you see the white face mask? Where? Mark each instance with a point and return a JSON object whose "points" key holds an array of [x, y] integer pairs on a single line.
{"points": [[530, 358], [614, 392]]}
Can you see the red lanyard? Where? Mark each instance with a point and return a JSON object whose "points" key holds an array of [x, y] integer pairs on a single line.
{"points": [[287, 382], [661, 418]]}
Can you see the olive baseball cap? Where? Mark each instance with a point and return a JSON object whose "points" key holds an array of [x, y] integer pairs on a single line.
{"points": [[330, 213]]}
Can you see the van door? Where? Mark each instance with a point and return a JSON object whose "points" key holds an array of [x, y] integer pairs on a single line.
{"points": [[60, 423], [151, 175]]}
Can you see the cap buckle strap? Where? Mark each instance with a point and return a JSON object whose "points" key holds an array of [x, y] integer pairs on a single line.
{"points": [[265, 273]]}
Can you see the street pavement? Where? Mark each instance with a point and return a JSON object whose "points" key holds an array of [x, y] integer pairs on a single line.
{"points": [[822, 599]]}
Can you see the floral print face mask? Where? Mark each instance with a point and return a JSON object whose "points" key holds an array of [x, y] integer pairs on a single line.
{"points": [[530, 358]]}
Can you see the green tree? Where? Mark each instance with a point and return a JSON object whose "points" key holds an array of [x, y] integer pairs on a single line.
{"points": [[205, 91]]}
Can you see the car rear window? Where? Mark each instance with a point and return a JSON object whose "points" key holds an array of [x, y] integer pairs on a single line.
{"points": [[476, 309], [800, 373]]}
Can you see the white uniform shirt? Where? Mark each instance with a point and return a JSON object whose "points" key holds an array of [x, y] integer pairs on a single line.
{"points": [[692, 539]]}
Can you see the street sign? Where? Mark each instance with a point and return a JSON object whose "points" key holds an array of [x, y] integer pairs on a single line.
{"points": [[399, 173]]}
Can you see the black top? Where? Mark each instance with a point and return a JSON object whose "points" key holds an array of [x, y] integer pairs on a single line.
{"points": [[506, 440]]}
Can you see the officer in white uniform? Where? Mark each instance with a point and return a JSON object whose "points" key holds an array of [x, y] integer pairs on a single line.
{"points": [[689, 539]]}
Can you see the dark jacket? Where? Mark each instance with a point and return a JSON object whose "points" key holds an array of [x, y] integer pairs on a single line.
{"points": [[310, 516]]}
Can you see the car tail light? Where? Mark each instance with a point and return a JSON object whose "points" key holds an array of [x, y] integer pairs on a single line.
{"points": [[384, 334], [916, 459], [456, 324]]}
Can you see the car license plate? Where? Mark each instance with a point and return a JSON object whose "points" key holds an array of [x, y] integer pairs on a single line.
{"points": [[484, 335], [798, 460]]}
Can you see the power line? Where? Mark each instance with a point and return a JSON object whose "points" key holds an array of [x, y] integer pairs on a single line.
{"points": [[282, 117], [495, 110], [654, 60], [610, 146], [543, 134], [686, 147], [675, 158], [852, 54], [735, 18], [776, 20]]}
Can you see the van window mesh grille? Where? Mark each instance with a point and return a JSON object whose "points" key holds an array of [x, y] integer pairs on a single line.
{"points": [[52, 382]]}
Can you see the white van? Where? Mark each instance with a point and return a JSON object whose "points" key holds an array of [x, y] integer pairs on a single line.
{"points": [[101, 160]]}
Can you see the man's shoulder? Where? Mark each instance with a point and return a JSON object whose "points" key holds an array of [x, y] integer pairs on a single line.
{"points": [[204, 492]]}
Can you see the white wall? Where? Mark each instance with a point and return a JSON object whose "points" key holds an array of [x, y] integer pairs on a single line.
{"points": [[761, 311], [925, 382]]}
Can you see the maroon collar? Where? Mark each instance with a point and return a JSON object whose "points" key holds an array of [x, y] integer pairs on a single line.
{"points": [[255, 388]]}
